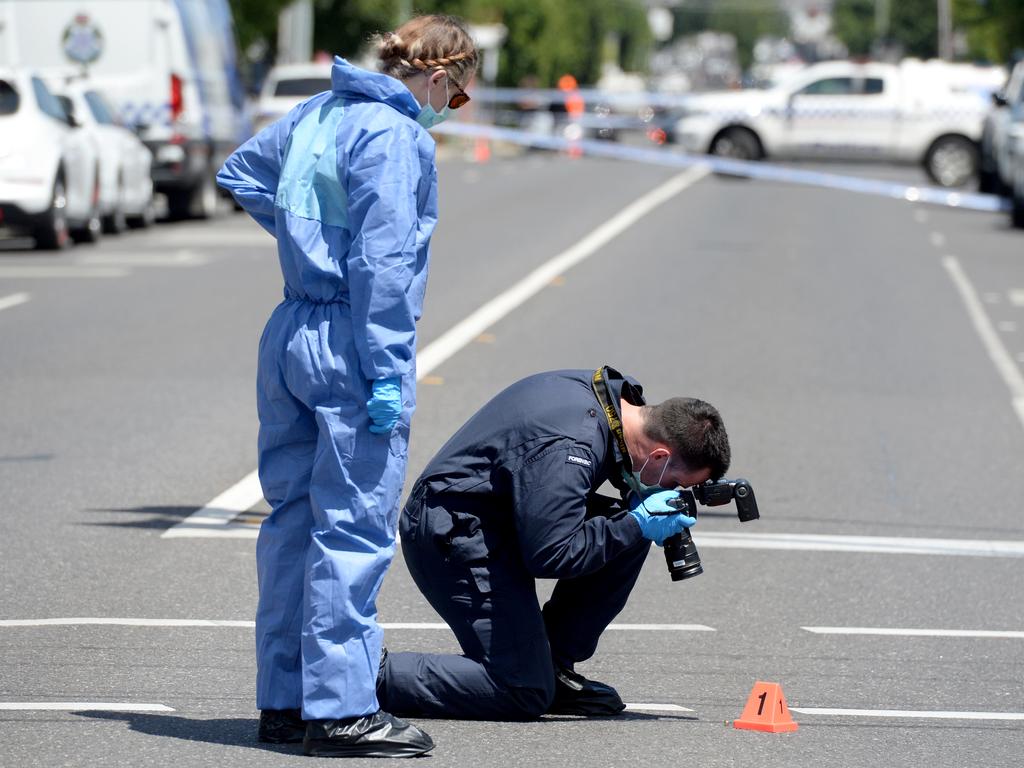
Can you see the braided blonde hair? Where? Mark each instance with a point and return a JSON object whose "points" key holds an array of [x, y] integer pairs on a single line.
{"points": [[426, 44]]}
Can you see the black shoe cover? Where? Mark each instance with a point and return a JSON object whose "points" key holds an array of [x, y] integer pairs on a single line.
{"points": [[575, 695], [281, 726], [376, 735]]}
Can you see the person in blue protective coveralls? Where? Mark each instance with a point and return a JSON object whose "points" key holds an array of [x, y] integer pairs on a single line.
{"points": [[512, 497], [346, 183]]}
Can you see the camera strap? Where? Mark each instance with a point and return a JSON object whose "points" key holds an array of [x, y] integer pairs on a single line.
{"points": [[600, 386]]}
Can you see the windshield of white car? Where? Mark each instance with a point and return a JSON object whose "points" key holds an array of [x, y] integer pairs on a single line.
{"points": [[49, 103], [99, 108], [302, 86], [8, 98]]}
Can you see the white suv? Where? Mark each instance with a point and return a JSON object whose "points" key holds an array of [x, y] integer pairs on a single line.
{"points": [[49, 182]]}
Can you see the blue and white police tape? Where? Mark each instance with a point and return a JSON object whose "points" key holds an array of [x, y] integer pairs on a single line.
{"points": [[748, 169], [743, 104]]}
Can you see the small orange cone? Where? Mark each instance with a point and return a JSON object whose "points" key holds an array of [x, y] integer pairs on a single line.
{"points": [[481, 150], [766, 710]]}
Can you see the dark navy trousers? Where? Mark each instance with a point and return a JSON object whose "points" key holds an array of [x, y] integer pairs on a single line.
{"points": [[472, 575]]}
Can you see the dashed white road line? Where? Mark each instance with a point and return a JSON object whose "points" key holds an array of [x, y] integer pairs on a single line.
{"points": [[180, 258], [909, 713], [888, 545], [96, 621], [82, 706], [901, 632], [654, 707], [213, 520], [15, 271], [1016, 297], [14, 300], [242, 624], [997, 351]]}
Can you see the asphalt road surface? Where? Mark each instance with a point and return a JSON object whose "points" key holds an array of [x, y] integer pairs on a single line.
{"points": [[866, 354]]}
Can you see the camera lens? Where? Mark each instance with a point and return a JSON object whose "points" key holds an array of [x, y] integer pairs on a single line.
{"points": [[681, 556]]}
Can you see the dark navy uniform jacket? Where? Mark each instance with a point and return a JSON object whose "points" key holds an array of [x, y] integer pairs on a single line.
{"points": [[524, 470]]}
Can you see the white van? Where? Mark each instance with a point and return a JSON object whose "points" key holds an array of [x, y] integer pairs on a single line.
{"points": [[167, 66]]}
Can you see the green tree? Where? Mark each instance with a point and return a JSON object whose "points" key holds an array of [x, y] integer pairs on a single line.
{"points": [[256, 21], [345, 27], [549, 38], [994, 28], [853, 22]]}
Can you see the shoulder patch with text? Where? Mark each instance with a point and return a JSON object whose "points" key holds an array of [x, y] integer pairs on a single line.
{"points": [[578, 460]]}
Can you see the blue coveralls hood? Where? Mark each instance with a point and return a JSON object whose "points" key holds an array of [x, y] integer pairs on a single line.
{"points": [[353, 83]]}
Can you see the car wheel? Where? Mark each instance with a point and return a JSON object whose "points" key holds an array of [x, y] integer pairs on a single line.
{"points": [[951, 161], [199, 202], [737, 144], [92, 229], [116, 221], [1017, 207], [145, 218], [51, 233]]}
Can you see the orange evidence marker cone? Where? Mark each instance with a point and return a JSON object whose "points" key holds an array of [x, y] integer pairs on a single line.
{"points": [[481, 150], [766, 710]]}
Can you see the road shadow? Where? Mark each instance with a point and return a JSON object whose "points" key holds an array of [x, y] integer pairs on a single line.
{"points": [[224, 731], [146, 517]]}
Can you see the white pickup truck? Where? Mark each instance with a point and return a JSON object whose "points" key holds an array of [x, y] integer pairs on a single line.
{"points": [[927, 112]]}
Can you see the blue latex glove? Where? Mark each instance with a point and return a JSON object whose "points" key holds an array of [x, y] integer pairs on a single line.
{"points": [[657, 519], [386, 405]]}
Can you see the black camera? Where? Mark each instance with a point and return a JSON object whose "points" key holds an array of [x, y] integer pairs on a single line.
{"points": [[681, 554]]}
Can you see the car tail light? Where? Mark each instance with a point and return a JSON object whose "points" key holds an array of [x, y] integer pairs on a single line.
{"points": [[177, 101]]}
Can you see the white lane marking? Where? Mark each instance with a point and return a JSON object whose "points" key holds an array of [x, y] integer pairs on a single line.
{"points": [[656, 708], [1007, 326], [181, 258], [876, 544], [894, 631], [86, 621], [14, 300], [226, 530], [201, 523], [219, 511], [13, 271], [991, 297], [497, 308], [77, 622], [1017, 297], [989, 338], [80, 706], [920, 215], [938, 239], [911, 713]]}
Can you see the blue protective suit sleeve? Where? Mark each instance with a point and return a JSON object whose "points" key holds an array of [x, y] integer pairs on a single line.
{"points": [[251, 172], [382, 184], [549, 498]]}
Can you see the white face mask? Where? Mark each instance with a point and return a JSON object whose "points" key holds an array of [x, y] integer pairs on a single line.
{"points": [[633, 480], [428, 116]]}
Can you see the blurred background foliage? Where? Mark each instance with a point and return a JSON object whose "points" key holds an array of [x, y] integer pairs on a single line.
{"points": [[548, 38]]}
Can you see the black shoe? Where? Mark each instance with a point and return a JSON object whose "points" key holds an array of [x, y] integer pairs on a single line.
{"points": [[575, 695], [281, 726], [376, 735]]}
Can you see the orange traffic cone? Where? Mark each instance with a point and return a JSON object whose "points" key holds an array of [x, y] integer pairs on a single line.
{"points": [[481, 150], [766, 710]]}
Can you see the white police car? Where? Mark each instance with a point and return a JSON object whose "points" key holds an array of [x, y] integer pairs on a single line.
{"points": [[49, 184]]}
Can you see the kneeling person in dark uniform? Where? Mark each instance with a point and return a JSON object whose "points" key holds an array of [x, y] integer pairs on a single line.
{"points": [[512, 497]]}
